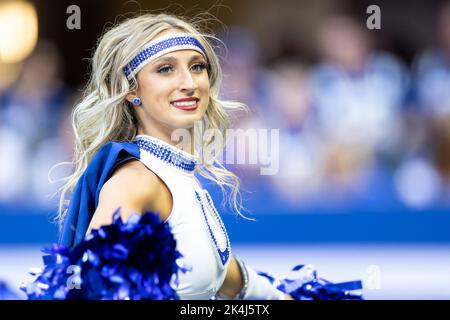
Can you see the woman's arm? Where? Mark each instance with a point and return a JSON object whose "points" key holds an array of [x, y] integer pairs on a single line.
{"points": [[132, 187], [234, 283]]}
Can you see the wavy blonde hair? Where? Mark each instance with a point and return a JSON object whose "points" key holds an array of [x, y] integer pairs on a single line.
{"points": [[105, 115]]}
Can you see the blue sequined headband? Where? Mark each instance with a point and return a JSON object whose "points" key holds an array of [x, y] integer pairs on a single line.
{"points": [[161, 46]]}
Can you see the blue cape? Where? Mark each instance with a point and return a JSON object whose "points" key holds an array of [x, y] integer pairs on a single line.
{"points": [[84, 199]]}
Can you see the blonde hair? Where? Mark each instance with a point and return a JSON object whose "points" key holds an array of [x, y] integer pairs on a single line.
{"points": [[105, 115]]}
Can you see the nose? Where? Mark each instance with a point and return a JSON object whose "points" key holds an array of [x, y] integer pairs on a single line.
{"points": [[186, 81]]}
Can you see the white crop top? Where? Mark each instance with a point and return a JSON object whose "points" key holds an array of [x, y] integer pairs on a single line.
{"points": [[196, 225]]}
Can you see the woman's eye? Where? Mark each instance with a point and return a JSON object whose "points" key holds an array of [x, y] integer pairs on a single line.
{"points": [[199, 67], [165, 69]]}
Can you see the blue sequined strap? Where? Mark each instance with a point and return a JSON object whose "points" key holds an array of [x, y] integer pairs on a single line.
{"points": [[224, 255]]}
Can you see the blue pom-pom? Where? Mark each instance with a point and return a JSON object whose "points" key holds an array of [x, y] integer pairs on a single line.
{"points": [[135, 260], [303, 284]]}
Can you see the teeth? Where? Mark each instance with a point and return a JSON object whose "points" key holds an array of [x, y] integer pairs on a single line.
{"points": [[185, 103]]}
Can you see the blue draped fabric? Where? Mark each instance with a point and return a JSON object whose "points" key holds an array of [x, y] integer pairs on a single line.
{"points": [[84, 199]]}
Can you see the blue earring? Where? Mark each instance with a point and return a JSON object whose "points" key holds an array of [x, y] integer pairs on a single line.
{"points": [[137, 101]]}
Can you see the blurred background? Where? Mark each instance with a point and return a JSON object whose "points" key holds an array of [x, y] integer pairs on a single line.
{"points": [[363, 186]]}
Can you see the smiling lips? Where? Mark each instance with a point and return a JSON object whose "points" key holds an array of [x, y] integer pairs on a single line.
{"points": [[186, 103]]}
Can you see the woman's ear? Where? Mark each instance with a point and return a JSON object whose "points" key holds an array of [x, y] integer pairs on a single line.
{"points": [[131, 96], [133, 99]]}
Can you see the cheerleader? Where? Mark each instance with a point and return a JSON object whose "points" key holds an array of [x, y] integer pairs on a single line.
{"points": [[152, 76]]}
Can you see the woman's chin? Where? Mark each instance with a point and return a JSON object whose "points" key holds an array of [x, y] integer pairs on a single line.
{"points": [[186, 123], [187, 120]]}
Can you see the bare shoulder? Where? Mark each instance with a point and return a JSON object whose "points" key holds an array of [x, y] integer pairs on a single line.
{"points": [[132, 188], [136, 171], [132, 180]]}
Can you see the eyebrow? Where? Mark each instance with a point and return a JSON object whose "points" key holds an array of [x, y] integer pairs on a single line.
{"points": [[173, 59]]}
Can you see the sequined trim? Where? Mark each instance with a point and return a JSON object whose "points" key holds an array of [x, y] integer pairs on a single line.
{"points": [[225, 254], [162, 46], [166, 153]]}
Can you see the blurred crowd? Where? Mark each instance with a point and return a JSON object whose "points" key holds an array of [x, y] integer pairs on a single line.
{"points": [[35, 131], [358, 128]]}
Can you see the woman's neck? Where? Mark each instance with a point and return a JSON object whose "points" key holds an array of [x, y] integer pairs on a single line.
{"points": [[183, 141]]}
